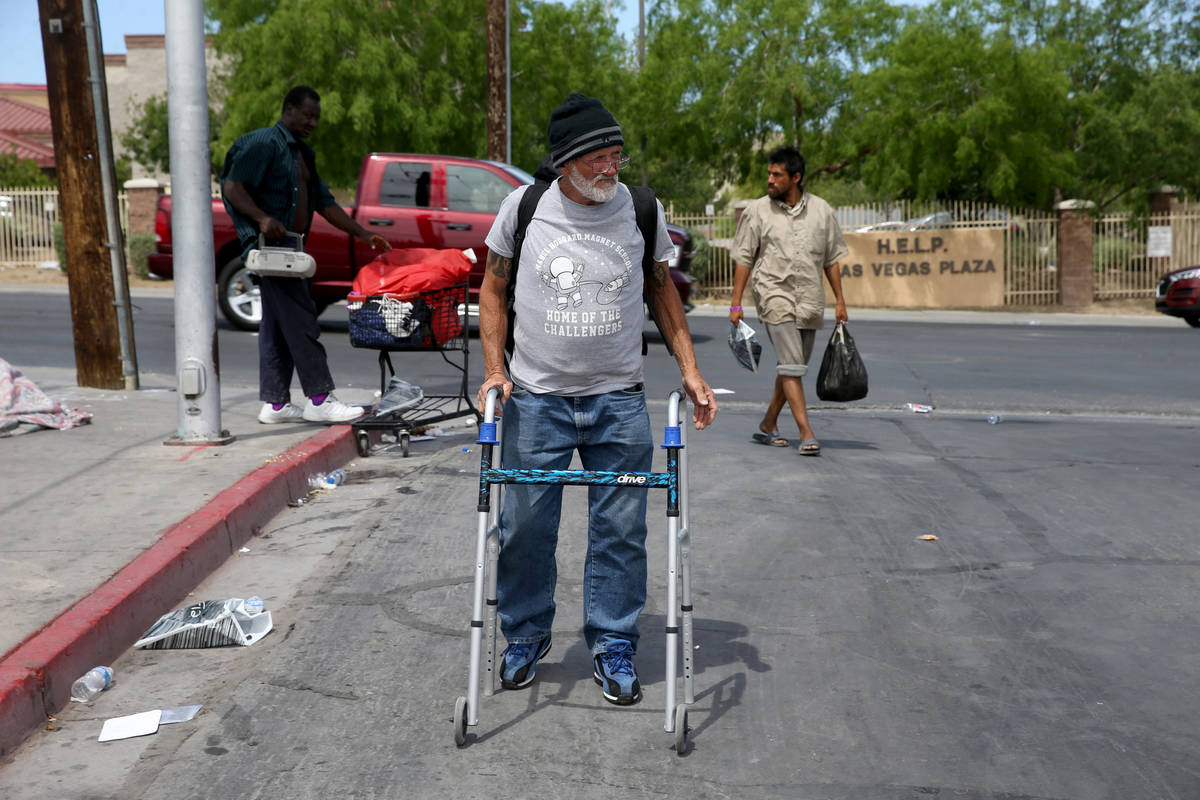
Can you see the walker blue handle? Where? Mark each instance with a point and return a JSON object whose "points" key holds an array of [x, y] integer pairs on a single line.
{"points": [[672, 438], [487, 433]]}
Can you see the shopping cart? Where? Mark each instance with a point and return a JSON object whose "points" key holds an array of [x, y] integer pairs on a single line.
{"points": [[487, 550], [431, 320]]}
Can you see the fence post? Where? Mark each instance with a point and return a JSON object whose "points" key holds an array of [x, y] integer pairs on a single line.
{"points": [[1163, 199], [142, 199], [1076, 235]]}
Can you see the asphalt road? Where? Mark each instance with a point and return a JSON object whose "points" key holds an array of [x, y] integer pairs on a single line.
{"points": [[957, 362], [1042, 647]]}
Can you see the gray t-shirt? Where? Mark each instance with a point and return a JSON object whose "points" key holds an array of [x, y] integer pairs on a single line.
{"points": [[578, 296]]}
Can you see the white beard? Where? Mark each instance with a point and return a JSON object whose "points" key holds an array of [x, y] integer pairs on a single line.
{"points": [[599, 189]]}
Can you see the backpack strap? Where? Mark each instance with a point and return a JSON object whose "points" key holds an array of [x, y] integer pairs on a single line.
{"points": [[645, 210], [525, 211]]}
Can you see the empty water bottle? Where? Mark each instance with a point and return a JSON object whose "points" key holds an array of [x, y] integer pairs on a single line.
{"points": [[327, 480], [95, 681], [994, 419], [253, 606]]}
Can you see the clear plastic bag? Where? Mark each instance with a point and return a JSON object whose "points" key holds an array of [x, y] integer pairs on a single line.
{"points": [[744, 343], [210, 623]]}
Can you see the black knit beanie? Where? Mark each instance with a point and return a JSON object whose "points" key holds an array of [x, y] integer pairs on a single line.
{"points": [[581, 125]]}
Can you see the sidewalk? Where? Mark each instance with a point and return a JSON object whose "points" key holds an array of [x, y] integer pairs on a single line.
{"points": [[107, 528]]}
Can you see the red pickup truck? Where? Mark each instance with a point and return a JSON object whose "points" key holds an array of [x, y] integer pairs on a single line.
{"points": [[412, 200]]}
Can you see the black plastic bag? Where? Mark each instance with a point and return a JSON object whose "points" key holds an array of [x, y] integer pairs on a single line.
{"points": [[842, 376]]}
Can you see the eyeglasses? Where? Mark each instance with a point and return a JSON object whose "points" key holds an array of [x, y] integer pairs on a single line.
{"points": [[601, 164]]}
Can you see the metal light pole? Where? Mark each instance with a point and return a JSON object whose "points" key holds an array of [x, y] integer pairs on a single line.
{"points": [[191, 228]]}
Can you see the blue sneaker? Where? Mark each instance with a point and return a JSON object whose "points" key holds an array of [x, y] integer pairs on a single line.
{"points": [[520, 661], [616, 676]]}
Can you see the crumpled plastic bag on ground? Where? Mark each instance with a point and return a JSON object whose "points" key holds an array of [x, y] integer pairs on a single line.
{"points": [[210, 623], [744, 343], [400, 395]]}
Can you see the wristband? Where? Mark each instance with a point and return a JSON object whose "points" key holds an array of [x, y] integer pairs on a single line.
{"points": [[735, 308]]}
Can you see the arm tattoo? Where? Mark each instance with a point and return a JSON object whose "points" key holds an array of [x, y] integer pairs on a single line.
{"points": [[659, 274], [499, 266]]}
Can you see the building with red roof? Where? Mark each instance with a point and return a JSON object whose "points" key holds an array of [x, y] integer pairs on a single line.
{"points": [[25, 123]]}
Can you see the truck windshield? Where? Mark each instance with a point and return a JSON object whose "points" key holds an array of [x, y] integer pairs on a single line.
{"points": [[516, 172]]}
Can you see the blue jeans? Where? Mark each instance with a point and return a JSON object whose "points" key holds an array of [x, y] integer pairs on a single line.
{"points": [[541, 431]]}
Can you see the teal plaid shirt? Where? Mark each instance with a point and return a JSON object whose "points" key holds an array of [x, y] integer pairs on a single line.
{"points": [[264, 161]]}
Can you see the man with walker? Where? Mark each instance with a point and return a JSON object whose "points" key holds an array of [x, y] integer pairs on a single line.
{"points": [[575, 382]]}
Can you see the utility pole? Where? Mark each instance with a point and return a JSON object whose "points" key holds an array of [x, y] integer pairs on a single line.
{"points": [[497, 81], [641, 57], [81, 163]]}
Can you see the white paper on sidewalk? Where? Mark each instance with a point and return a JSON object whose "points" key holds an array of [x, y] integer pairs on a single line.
{"points": [[141, 724]]}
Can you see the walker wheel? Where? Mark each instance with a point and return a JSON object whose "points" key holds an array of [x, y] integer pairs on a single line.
{"points": [[364, 443], [681, 729], [404, 440], [460, 722]]}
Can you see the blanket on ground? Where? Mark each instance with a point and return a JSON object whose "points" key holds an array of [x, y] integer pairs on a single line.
{"points": [[25, 408]]}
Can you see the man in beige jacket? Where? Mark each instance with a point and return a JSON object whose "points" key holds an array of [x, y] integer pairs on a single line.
{"points": [[784, 241]]}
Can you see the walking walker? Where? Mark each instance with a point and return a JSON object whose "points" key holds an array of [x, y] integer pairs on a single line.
{"points": [[487, 550]]}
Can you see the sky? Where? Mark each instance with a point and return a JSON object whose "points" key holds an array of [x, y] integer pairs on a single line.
{"points": [[21, 39]]}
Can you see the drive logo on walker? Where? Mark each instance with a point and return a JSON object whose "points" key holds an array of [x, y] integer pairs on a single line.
{"points": [[586, 275], [632, 480]]}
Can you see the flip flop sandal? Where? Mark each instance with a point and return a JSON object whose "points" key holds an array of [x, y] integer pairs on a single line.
{"points": [[772, 439], [811, 451]]}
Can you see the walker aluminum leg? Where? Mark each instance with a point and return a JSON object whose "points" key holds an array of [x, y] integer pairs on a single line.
{"points": [[672, 621], [685, 573], [493, 557], [673, 425], [483, 528], [477, 621]]}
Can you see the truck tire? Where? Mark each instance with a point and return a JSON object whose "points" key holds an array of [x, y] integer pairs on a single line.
{"points": [[238, 295]]}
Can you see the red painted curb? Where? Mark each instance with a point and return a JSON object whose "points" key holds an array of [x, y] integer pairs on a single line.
{"points": [[36, 675]]}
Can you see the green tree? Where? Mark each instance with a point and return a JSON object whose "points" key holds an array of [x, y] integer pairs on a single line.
{"points": [[1134, 94], [959, 112], [147, 139], [726, 80], [21, 172], [392, 76], [558, 49], [408, 77]]}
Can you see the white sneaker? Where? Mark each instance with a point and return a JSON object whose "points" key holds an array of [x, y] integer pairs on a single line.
{"points": [[332, 410], [289, 413]]}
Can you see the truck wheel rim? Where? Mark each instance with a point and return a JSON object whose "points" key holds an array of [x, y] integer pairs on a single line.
{"points": [[245, 297]]}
